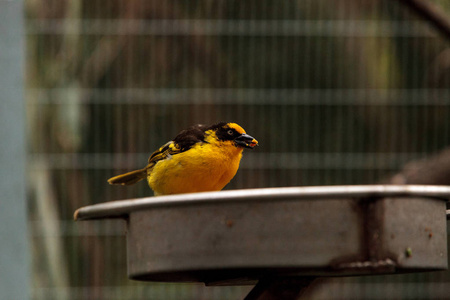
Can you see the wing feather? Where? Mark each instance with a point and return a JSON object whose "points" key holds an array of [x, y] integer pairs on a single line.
{"points": [[184, 141], [164, 152]]}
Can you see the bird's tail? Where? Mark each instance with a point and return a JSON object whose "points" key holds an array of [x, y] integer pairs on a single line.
{"points": [[129, 178]]}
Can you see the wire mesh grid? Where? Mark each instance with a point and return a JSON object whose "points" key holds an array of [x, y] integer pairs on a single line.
{"points": [[336, 92]]}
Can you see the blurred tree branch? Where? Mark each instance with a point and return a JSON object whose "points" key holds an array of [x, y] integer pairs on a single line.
{"points": [[432, 13], [434, 170]]}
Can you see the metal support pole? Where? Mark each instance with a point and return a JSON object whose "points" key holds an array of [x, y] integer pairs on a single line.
{"points": [[14, 253], [279, 288]]}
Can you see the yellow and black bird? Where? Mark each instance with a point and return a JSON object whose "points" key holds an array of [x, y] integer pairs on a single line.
{"points": [[199, 159]]}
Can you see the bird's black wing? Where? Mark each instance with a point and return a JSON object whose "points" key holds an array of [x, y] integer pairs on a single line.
{"points": [[182, 142]]}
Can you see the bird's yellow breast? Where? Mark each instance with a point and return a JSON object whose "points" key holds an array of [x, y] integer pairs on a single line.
{"points": [[205, 167]]}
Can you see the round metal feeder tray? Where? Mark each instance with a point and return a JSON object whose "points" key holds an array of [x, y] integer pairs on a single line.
{"points": [[240, 236]]}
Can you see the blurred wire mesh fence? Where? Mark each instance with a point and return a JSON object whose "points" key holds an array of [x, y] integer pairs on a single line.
{"points": [[337, 92]]}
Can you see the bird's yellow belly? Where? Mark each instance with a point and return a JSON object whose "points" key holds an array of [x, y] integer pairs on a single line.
{"points": [[204, 169]]}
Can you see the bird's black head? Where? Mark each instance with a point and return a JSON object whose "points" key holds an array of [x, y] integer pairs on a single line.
{"points": [[234, 132]]}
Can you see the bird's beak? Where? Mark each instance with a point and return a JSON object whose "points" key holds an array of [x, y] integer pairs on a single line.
{"points": [[246, 141]]}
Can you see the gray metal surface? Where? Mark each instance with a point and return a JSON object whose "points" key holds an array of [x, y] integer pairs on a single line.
{"points": [[205, 242], [118, 209], [238, 237], [14, 255]]}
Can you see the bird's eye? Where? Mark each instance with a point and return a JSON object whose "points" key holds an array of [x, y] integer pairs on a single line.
{"points": [[230, 132]]}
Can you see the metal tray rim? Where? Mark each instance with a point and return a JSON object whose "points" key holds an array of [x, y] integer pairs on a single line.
{"points": [[121, 208]]}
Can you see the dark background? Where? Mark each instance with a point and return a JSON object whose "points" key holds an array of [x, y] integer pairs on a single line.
{"points": [[336, 92]]}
